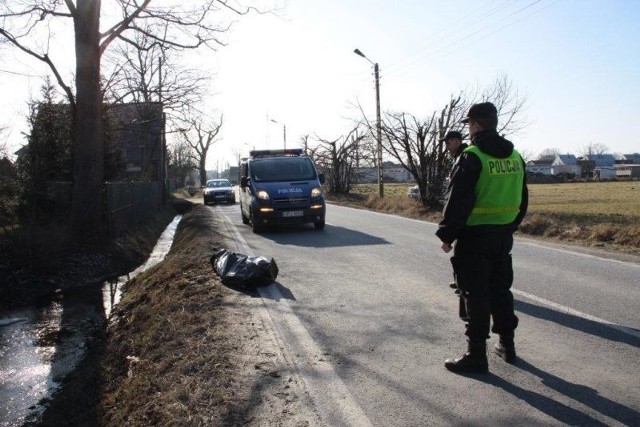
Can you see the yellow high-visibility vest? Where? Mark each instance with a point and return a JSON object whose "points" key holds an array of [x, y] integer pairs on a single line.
{"points": [[498, 190]]}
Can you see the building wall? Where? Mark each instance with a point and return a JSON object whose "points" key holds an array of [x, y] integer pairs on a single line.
{"points": [[565, 169], [546, 169]]}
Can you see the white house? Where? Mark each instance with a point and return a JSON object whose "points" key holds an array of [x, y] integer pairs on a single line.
{"points": [[390, 171], [542, 166], [628, 170], [565, 164], [395, 172]]}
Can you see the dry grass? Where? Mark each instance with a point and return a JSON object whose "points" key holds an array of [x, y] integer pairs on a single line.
{"points": [[395, 201], [167, 360], [592, 214], [587, 199], [183, 349]]}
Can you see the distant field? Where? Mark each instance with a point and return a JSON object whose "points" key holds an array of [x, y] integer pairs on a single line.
{"points": [[590, 213], [581, 198], [586, 198]]}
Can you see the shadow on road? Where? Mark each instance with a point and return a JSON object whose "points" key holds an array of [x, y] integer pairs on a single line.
{"points": [[559, 411], [264, 291], [331, 236], [577, 323], [585, 395]]}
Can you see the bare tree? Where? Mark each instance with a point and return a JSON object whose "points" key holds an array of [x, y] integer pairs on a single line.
{"points": [[548, 153], [237, 155], [337, 158], [200, 136], [4, 145], [509, 103], [179, 25], [525, 154], [181, 161], [304, 141], [594, 149], [415, 143], [148, 72]]}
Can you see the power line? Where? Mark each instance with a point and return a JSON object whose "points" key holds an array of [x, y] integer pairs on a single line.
{"points": [[474, 33], [15, 73], [453, 28]]}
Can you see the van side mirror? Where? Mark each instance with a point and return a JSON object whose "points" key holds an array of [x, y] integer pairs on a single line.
{"points": [[244, 181], [321, 178]]}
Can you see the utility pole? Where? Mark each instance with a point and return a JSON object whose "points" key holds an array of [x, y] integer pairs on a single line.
{"points": [[376, 72], [284, 131], [379, 131]]}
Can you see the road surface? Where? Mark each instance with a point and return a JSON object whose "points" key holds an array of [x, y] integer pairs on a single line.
{"points": [[364, 311]]}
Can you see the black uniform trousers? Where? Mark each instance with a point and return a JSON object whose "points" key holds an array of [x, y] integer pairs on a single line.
{"points": [[482, 264]]}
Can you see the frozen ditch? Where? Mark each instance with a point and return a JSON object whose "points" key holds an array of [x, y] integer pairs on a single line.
{"points": [[41, 345]]}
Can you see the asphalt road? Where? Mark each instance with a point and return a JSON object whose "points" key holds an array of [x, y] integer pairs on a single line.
{"points": [[364, 311]]}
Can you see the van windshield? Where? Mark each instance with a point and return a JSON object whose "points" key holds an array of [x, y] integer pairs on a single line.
{"points": [[282, 169]]}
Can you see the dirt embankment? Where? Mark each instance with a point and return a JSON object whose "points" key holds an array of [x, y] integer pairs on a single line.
{"points": [[183, 349]]}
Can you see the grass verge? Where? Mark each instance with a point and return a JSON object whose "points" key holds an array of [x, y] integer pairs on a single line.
{"points": [[592, 214]]}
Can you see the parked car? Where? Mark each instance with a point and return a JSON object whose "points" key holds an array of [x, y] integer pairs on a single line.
{"points": [[414, 192], [218, 190]]}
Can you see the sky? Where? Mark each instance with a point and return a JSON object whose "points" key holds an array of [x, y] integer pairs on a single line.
{"points": [[576, 61]]}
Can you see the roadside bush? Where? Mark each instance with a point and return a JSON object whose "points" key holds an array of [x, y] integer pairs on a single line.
{"points": [[400, 205], [603, 233], [9, 200], [629, 236], [572, 231], [536, 225]]}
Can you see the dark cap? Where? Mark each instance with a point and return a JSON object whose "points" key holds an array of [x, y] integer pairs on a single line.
{"points": [[452, 134], [484, 110]]}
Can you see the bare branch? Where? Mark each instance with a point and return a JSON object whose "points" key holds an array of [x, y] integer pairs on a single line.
{"points": [[200, 134], [43, 58], [339, 158], [118, 28]]}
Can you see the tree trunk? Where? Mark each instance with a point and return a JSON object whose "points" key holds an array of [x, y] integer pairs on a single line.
{"points": [[203, 171], [88, 149]]}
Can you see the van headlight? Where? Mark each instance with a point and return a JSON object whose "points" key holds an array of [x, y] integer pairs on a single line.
{"points": [[316, 192], [262, 195]]}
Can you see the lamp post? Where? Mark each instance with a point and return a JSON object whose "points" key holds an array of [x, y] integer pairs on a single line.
{"points": [[378, 123], [284, 132]]}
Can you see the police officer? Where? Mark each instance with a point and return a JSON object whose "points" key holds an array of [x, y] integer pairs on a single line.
{"points": [[487, 200], [453, 143], [455, 147]]}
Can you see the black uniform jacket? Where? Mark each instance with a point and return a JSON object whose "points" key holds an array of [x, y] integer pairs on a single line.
{"points": [[461, 191]]}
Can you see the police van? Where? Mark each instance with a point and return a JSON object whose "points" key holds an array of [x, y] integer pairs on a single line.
{"points": [[281, 187]]}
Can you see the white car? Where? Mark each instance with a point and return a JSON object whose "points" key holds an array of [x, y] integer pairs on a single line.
{"points": [[414, 192], [218, 190]]}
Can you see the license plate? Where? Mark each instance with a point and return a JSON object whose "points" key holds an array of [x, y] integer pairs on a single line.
{"points": [[220, 197], [289, 214]]}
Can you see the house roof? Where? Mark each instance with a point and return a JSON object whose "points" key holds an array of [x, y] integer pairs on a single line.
{"points": [[632, 158], [602, 159], [540, 162], [565, 159]]}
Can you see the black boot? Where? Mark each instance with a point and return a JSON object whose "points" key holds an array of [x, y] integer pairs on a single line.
{"points": [[474, 361], [506, 348]]}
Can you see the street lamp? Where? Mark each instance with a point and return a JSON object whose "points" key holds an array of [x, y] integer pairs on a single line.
{"points": [[284, 132], [378, 123]]}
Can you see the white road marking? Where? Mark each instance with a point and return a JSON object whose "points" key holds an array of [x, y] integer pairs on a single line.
{"points": [[566, 310], [530, 242], [337, 405]]}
